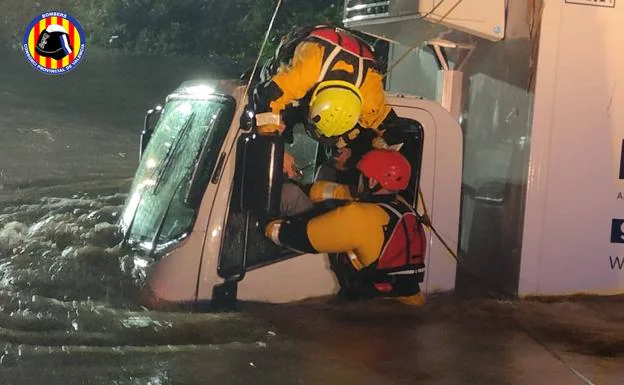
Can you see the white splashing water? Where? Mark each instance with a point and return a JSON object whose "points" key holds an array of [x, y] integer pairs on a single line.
{"points": [[66, 281], [64, 248]]}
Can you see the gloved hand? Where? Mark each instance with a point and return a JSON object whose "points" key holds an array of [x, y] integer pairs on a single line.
{"points": [[271, 129], [272, 230], [341, 158], [290, 167], [269, 123], [380, 143]]}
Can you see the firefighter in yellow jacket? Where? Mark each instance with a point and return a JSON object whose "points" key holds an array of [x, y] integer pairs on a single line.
{"points": [[329, 77], [378, 234], [332, 76]]}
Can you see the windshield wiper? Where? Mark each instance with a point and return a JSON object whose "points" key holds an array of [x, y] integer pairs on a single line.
{"points": [[171, 151], [200, 155]]}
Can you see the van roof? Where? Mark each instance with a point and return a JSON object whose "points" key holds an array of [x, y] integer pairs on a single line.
{"points": [[205, 87]]}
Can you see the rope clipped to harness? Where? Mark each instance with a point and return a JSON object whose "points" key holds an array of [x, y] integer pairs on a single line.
{"points": [[426, 221]]}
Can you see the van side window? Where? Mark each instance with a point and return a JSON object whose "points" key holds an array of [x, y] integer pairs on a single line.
{"points": [[305, 150], [244, 245], [413, 149]]}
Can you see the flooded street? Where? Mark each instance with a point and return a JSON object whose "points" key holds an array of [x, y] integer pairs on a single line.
{"points": [[69, 314], [69, 294]]}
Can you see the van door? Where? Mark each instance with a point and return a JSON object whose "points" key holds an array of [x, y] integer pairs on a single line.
{"points": [[244, 245], [437, 165], [440, 183]]}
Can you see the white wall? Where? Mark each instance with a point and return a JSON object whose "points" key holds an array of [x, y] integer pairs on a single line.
{"points": [[578, 128]]}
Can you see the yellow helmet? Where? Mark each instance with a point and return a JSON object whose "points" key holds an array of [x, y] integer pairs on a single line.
{"points": [[335, 107]]}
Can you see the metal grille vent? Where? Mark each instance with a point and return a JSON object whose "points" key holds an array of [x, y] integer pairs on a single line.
{"points": [[356, 10]]}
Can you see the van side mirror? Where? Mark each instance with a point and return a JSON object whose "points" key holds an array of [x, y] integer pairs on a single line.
{"points": [[151, 117], [260, 160]]}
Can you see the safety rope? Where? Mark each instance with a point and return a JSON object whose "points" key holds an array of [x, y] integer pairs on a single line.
{"points": [[264, 42], [426, 221]]}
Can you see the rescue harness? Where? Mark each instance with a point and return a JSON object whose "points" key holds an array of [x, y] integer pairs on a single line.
{"points": [[400, 268]]}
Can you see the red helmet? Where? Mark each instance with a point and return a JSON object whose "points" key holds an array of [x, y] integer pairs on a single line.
{"points": [[390, 168]]}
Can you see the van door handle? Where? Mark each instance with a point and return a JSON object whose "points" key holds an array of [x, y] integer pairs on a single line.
{"points": [[218, 169]]}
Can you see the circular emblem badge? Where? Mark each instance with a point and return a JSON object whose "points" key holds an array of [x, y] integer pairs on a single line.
{"points": [[54, 43]]}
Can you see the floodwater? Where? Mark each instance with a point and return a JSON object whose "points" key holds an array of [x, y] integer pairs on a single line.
{"points": [[69, 314], [69, 293], [69, 309]]}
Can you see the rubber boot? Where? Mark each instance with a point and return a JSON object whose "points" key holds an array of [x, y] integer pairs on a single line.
{"points": [[413, 300]]}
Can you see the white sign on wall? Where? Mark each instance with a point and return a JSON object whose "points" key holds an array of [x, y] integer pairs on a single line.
{"points": [[596, 3], [573, 236], [616, 260]]}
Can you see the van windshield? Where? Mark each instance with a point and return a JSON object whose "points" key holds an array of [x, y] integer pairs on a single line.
{"points": [[180, 156]]}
